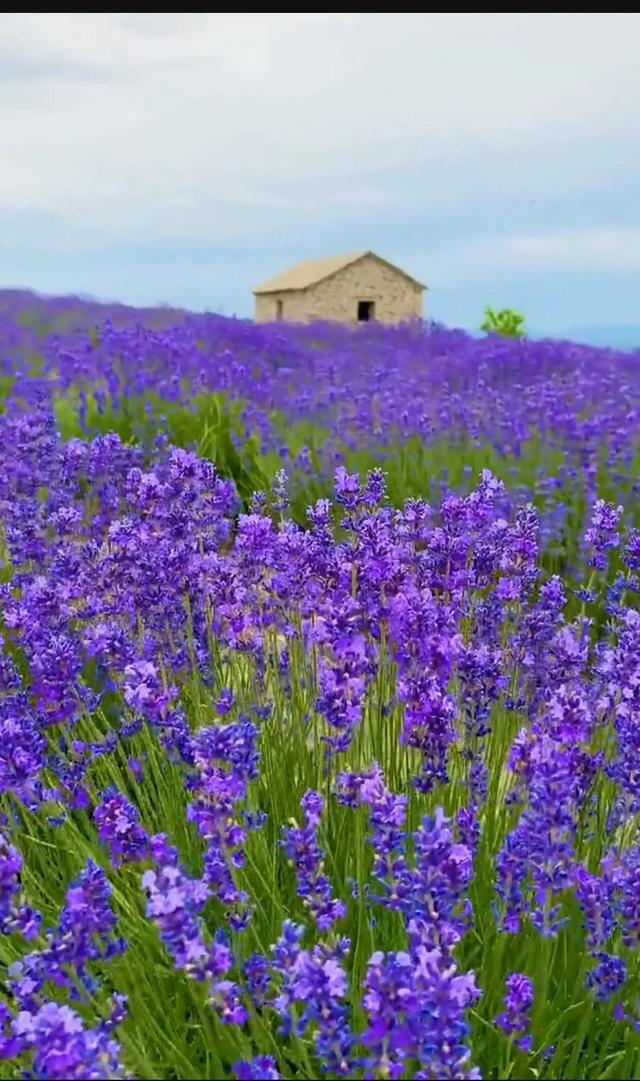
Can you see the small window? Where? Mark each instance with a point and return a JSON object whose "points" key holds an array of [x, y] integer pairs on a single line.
{"points": [[366, 310], [279, 310]]}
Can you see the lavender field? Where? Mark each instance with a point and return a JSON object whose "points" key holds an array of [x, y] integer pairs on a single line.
{"points": [[319, 700]]}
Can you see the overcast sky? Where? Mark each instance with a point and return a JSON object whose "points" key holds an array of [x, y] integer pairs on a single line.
{"points": [[186, 157]]}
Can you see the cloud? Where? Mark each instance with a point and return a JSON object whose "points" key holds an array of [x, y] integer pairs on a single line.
{"points": [[602, 247], [216, 111], [563, 250], [41, 68], [181, 155]]}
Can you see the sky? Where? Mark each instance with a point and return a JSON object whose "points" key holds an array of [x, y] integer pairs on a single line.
{"points": [[184, 158]]}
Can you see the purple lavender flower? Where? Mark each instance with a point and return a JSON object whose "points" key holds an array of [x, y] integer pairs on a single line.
{"points": [[426, 644], [388, 836], [175, 903], [620, 1014], [22, 757], [225, 998], [144, 691], [226, 702], [85, 934], [301, 846], [344, 670], [632, 549], [226, 760], [375, 490], [9, 674], [537, 861], [516, 1018], [392, 1005], [595, 895], [63, 1048], [443, 873], [315, 983], [416, 1005], [608, 977], [602, 534], [481, 683], [118, 828], [348, 491], [258, 978], [16, 917], [137, 768], [262, 1068]]}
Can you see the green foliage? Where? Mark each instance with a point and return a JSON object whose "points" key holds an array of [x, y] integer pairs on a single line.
{"points": [[507, 322]]}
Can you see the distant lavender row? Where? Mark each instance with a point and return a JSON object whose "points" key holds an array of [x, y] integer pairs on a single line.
{"points": [[372, 386]]}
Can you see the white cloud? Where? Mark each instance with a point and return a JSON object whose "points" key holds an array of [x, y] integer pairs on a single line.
{"points": [[186, 156], [565, 252], [129, 121], [603, 247]]}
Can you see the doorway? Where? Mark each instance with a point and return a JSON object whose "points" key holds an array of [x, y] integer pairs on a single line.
{"points": [[366, 310]]}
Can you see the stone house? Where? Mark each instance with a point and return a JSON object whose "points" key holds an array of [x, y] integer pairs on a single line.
{"points": [[353, 288]]}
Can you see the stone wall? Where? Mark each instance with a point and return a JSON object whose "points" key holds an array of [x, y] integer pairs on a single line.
{"points": [[396, 298]]}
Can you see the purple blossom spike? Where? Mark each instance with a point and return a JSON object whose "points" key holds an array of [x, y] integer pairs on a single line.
{"points": [[226, 760], [175, 903], [118, 828], [16, 917], [388, 837], [608, 977], [313, 986], [302, 848], [416, 1005], [515, 1020], [61, 1047], [262, 1068], [603, 534]]}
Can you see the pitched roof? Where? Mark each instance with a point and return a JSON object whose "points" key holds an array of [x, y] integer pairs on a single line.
{"points": [[314, 270]]}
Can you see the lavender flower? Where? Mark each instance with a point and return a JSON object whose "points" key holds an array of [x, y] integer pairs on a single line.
{"points": [[118, 828], [416, 1007], [175, 903], [608, 977], [85, 934], [301, 846], [602, 534], [226, 760], [258, 978], [262, 1068], [16, 917], [441, 878], [63, 1048], [388, 837], [516, 1019]]}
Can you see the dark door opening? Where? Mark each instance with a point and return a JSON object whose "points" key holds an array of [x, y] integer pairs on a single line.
{"points": [[366, 310], [279, 307]]}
